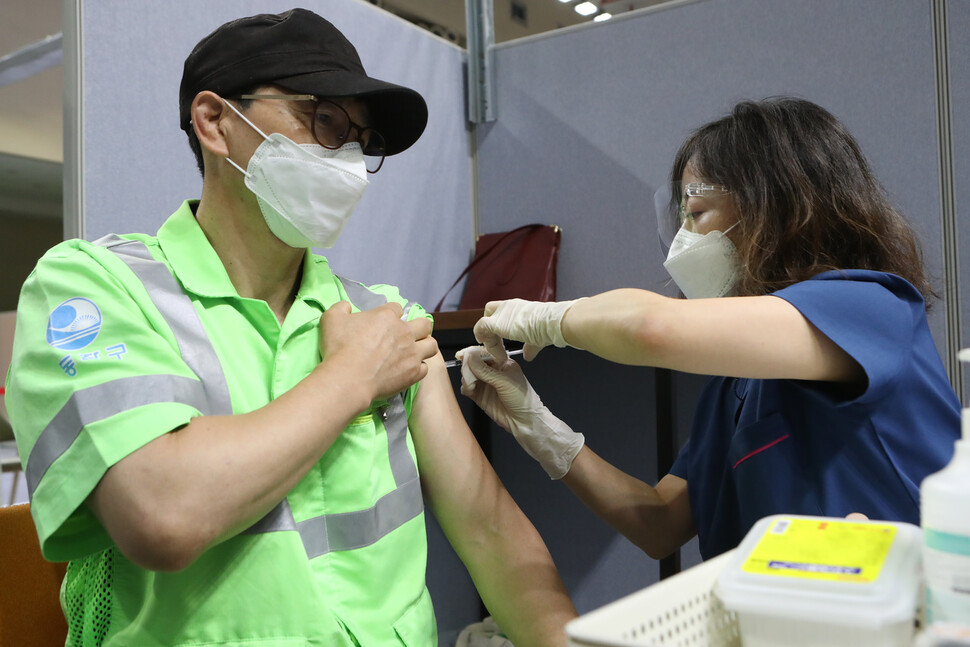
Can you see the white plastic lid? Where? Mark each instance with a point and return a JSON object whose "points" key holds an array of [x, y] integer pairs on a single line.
{"points": [[825, 569]]}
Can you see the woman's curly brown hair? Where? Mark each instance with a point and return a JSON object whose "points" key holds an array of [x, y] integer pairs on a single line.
{"points": [[807, 199]]}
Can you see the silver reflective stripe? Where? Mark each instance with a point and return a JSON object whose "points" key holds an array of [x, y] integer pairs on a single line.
{"points": [[360, 296], [396, 424], [349, 530], [181, 316], [103, 401], [278, 519], [365, 298], [394, 414]]}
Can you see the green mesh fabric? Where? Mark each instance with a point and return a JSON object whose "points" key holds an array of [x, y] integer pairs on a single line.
{"points": [[88, 600]]}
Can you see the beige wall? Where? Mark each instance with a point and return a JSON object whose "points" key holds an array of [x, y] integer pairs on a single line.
{"points": [[23, 240], [6, 343]]}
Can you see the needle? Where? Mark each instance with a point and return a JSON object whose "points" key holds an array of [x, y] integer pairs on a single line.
{"points": [[452, 363]]}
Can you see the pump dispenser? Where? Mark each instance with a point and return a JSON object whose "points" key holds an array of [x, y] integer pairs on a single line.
{"points": [[945, 518]]}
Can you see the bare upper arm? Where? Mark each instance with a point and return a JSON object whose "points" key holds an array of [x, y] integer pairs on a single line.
{"points": [[455, 474], [759, 337]]}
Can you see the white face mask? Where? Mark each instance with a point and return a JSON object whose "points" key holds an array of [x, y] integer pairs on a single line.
{"points": [[306, 192], [704, 265]]}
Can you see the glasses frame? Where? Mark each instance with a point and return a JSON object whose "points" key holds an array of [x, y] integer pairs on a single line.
{"points": [[704, 190], [318, 100], [698, 190], [671, 213]]}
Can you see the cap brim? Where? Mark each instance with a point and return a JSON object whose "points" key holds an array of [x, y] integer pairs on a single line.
{"points": [[400, 114]]}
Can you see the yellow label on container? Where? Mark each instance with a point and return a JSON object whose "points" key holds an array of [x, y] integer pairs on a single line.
{"points": [[839, 551]]}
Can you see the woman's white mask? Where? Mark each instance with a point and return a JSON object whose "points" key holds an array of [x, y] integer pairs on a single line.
{"points": [[704, 265], [306, 192]]}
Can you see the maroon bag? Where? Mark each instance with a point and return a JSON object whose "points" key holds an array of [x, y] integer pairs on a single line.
{"points": [[520, 263]]}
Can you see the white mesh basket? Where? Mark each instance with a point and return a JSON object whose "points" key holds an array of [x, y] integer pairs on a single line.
{"points": [[680, 611]]}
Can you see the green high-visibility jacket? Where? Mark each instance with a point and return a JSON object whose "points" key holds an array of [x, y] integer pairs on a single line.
{"points": [[125, 339]]}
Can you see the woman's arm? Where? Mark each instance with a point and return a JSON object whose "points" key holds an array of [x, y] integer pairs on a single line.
{"points": [[758, 337], [656, 519]]}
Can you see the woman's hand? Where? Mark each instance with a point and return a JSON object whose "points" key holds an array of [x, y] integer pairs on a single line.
{"points": [[503, 392], [537, 324]]}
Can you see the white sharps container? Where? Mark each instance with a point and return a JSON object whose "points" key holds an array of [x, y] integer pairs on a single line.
{"points": [[945, 518]]}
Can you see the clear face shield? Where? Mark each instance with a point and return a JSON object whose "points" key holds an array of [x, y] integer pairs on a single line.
{"points": [[669, 201]]}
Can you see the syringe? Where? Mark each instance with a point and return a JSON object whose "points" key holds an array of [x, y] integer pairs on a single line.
{"points": [[457, 362]]}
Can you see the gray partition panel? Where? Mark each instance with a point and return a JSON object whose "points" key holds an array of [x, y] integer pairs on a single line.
{"points": [[413, 227], [589, 119], [958, 20]]}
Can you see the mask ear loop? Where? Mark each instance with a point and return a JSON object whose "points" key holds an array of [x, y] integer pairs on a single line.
{"points": [[252, 125], [238, 168], [243, 117]]}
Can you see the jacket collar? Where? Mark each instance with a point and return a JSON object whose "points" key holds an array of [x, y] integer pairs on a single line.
{"points": [[200, 270]]}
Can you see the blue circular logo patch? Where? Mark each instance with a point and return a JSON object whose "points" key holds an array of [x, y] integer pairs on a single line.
{"points": [[74, 324]]}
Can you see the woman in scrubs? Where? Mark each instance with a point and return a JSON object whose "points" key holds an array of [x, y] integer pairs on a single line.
{"points": [[806, 300]]}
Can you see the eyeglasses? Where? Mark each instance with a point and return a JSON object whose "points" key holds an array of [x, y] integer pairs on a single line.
{"points": [[332, 127], [672, 213]]}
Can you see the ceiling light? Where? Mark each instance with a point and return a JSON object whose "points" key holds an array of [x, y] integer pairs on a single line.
{"points": [[603, 16], [585, 8]]}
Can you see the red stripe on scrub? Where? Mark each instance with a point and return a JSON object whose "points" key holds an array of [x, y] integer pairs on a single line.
{"points": [[759, 450]]}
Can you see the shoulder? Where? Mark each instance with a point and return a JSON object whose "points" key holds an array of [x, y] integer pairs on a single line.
{"points": [[856, 282], [69, 254], [870, 300], [367, 296], [76, 279], [878, 319]]}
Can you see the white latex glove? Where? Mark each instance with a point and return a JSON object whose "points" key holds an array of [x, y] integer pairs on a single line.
{"points": [[507, 397], [538, 324]]}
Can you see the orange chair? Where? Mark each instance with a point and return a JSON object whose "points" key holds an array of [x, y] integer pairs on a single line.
{"points": [[30, 609], [8, 463]]}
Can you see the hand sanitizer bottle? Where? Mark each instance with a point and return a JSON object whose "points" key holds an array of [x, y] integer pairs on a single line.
{"points": [[945, 518]]}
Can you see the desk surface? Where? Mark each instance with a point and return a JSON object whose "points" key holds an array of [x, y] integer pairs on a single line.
{"points": [[457, 319]]}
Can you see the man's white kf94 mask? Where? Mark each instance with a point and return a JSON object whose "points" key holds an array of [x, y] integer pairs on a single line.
{"points": [[704, 265], [305, 192]]}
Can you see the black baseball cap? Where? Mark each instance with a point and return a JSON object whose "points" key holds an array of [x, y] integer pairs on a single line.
{"points": [[302, 52]]}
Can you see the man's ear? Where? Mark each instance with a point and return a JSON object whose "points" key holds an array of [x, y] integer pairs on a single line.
{"points": [[208, 112]]}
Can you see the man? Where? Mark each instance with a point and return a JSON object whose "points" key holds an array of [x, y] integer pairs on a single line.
{"points": [[224, 437]]}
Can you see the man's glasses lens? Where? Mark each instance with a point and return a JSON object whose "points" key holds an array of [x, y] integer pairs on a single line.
{"points": [[332, 127]]}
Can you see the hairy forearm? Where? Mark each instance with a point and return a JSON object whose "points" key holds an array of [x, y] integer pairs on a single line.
{"points": [[191, 488], [505, 556], [518, 581]]}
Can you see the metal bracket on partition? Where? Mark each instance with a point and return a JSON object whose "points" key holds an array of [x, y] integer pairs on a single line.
{"points": [[73, 168], [951, 252], [480, 25]]}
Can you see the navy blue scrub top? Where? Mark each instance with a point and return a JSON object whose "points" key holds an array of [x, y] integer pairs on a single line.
{"points": [[762, 447]]}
